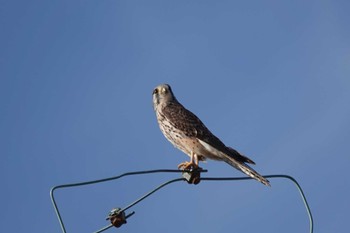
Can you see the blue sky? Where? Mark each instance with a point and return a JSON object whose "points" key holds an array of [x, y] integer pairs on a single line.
{"points": [[270, 78]]}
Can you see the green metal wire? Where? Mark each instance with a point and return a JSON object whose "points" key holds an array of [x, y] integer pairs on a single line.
{"points": [[165, 184], [104, 228], [142, 198], [99, 181], [307, 207]]}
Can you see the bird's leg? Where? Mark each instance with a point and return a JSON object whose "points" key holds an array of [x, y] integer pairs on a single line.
{"points": [[193, 164], [196, 161]]}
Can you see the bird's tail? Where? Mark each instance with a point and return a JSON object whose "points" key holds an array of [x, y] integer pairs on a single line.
{"points": [[246, 169]]}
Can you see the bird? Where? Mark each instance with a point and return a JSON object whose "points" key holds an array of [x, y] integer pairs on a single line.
{"points": [[188, 133]]}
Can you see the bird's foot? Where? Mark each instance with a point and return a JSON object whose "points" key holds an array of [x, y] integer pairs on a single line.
{"points": [[191, 172], [188, 166]]}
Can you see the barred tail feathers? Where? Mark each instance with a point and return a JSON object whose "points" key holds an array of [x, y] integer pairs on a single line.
{"points": [[246, 169]]}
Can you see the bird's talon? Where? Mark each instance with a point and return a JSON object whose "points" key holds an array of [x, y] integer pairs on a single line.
{"points": [[191, 172], [188, 166]]}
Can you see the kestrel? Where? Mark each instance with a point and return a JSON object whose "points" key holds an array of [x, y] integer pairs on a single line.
{"points": [[188, 133]]}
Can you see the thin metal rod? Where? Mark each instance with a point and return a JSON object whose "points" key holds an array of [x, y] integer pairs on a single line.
{"points": [[153, 191], [144, 197], [99, 181], [167, 183], [308, 210], [104, 228], [302, 195], [111, 225]]}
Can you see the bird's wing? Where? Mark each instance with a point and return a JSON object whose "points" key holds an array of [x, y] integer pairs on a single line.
{"points": [[240, 165], [184, 120]]}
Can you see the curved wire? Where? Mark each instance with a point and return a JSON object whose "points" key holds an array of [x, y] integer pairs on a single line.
{"points": [[99, 181], [167, 183], [142, 198], [307, 207]]}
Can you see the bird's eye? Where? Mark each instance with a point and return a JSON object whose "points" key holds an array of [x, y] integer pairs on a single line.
{"points": [[155, 91]]}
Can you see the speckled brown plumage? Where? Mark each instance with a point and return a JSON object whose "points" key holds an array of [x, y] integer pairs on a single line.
{"points": [[188, 133]]}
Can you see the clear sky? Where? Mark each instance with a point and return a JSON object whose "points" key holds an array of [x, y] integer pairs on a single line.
{"points": [[270, 78]]}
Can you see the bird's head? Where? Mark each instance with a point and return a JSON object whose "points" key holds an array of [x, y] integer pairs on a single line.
{"points": [[162, 94]]}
